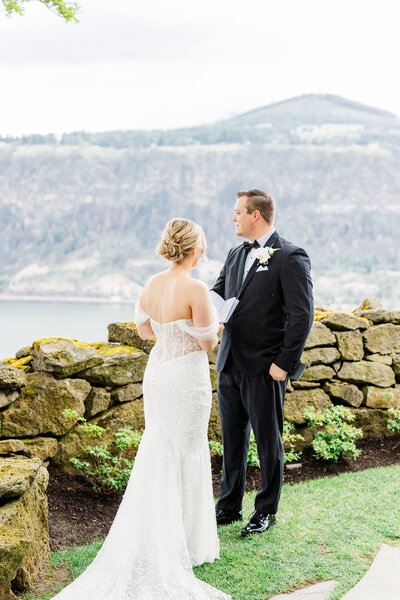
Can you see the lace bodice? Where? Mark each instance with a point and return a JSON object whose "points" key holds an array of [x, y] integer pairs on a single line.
{"points": [[172, 342], [177, 338]]}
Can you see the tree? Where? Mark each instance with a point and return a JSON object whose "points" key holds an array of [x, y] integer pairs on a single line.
{"points": [[66, 10]]}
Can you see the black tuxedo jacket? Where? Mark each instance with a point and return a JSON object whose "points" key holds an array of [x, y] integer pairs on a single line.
{"points": [[275, 311]]}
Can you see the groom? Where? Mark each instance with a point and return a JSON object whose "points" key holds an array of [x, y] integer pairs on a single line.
{"points": [[260, 346]]}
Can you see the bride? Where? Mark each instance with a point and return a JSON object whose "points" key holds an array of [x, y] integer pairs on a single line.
{"points": [[166, 521]]}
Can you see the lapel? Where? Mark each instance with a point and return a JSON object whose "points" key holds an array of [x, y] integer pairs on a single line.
{"points": [[270, 241], [240, 270]]}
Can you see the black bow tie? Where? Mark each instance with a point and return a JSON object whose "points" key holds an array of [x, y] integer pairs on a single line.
{"points": [[248, 245]]}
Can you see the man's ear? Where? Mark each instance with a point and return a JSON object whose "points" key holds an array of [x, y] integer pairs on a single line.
{"points": [[256, 215]]}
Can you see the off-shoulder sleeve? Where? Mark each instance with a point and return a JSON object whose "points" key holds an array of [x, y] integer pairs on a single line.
{"points": [[204, 334], [140, 316]]}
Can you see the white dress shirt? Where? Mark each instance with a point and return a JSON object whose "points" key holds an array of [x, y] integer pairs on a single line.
{"points": [[252, 254]]}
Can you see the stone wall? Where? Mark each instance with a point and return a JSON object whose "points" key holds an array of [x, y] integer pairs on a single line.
{"points": [[353, 359], [24, 537]]}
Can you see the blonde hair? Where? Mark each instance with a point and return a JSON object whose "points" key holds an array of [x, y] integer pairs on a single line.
{"points": [[179, 238]]}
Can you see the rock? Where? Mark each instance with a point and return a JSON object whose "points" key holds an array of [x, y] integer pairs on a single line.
{"points": [[318, 373], [319, 335], [289, 386], [11, 378], [39, 408], [10, 446], [24, 352], [97, 401], [24, 536], [373, 422], [39, 447], [337, 365], [396, 364], [16, 475], [383, 339], [382, 398], [350, 344], [296, 403], [214, 424], [365, 371], [7, 397], [369, 303], [119, 369], [63, 357], [381, 316], [304, 385], [213, 377], [384, 359], [22, 364], [308, 435], [127, 393], [73, 443], [342, 321], [345, 393], [126, 333], [320, 355], [293, 466]]}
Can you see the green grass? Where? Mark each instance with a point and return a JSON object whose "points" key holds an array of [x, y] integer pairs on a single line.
{"points": [[328, 528]]}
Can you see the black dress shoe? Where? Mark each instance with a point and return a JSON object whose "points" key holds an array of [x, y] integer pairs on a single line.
{"points": [[226, 517], [258, 523]]}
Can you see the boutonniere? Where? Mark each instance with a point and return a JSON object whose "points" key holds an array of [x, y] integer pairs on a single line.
{"points": [[265, 253]]}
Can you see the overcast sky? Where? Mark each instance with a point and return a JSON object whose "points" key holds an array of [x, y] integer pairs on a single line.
{"points": [[150, 64]]}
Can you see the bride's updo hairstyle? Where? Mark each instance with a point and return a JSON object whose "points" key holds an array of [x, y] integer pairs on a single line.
{"points": [[179, 238]]}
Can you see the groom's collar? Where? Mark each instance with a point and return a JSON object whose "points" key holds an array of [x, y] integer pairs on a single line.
{"points": [[264, 238]]}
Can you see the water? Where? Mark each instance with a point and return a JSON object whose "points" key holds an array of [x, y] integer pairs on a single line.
{"points": [[23, 322]]}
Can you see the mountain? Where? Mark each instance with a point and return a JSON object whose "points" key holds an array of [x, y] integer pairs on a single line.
{"points": [[80, 216]]}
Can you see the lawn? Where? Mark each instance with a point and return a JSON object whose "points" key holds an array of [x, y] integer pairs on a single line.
{"points": [[328, 528]]}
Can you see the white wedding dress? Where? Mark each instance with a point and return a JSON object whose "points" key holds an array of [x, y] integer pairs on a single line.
{"points": [[166, 521]]}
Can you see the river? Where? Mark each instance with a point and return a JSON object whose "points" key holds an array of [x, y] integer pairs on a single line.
{"points": [[22, 322]]}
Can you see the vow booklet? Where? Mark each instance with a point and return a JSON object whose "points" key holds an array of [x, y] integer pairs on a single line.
{"points": [[224, 308], [298, 372]]}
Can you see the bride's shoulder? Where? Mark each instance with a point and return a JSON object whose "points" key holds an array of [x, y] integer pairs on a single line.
{"points": [[154, 279], [198, 286], [198, 292]]}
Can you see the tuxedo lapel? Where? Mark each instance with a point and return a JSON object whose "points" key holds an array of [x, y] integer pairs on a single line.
{"points": [[270, 241], [249, 275], [241, 262]]}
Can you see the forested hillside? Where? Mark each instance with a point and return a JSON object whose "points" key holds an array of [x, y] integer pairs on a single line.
{"points": [[80, 215]]}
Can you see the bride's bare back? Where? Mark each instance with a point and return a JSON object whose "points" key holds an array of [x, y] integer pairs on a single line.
{"points": [[173, 295]]}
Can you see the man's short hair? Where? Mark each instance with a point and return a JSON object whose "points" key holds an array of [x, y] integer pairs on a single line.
{"points": [[261, 201]]}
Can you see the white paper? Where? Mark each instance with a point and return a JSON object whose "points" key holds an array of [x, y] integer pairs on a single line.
{"points": [[224, 308]]}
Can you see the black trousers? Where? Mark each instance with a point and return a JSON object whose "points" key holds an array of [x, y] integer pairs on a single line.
{"points": [[256, 402]]}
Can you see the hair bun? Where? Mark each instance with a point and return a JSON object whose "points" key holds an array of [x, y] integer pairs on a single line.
{"points": [[173, 250], [179, 238]]}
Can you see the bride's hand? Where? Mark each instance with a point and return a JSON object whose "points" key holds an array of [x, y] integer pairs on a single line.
{"points": [[221, 328]]}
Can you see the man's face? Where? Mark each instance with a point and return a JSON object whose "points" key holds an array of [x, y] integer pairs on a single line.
{"points": [[244, 221]]}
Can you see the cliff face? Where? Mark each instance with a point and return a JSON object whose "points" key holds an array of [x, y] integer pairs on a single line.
{"points": [[81, 216], [353, 359], [24, 535]]}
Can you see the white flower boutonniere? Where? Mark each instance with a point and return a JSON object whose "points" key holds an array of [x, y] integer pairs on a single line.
{"points": [[265, 253]]}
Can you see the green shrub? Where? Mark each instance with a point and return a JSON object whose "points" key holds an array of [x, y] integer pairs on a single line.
{"points": [[216, 448], [337, 438], [288, 438], [394, 423], [106, 472]]}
